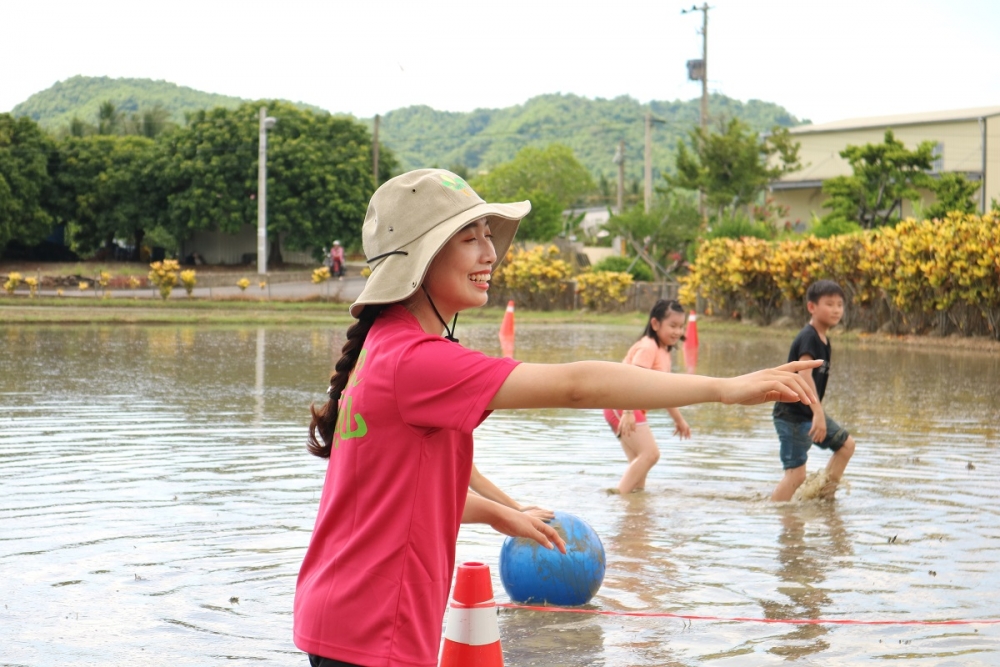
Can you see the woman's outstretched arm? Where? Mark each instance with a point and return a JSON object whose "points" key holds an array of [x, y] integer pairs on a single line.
{"points": [[605, 384]]}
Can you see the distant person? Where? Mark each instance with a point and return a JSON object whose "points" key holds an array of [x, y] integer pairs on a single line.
{"points": [[664, 329], [337, 260], [404, 402], [800, 426]]}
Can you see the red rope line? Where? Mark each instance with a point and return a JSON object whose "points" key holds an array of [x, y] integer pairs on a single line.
{"points": [[748, 619]]}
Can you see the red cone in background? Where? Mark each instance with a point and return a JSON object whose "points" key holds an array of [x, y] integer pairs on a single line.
{"points": [[472, 635], [507, 331], [691, 343]]}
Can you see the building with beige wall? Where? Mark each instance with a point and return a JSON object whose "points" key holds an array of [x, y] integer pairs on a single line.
{"points": [[968, 141]]}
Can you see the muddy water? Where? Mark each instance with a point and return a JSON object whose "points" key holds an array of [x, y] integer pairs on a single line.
{"points": [[156, 499]]}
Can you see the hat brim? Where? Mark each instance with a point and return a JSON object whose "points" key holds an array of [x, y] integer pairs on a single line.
{"points": [[397, 277]]}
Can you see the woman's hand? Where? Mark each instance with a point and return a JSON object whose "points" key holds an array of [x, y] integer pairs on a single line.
{"points": [[520, 524], [626, 425], [772, 384], [538, 512], [682, 429]]}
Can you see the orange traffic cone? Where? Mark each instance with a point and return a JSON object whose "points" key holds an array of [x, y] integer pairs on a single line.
{"points": [[691, 343], [691, 335], [472, 636], [507, 331]]}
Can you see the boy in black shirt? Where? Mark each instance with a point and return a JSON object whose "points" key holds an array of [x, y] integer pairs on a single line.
{"points": [[798, 425]]}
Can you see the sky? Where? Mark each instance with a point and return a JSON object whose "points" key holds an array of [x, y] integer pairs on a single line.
{"points": [[823, 60]]}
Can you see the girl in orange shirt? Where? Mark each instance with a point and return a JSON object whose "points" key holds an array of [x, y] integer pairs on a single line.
{"points": [[652, 350]]}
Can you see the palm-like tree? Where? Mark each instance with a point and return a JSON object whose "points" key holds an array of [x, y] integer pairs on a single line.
{"points": [[109, 119]]}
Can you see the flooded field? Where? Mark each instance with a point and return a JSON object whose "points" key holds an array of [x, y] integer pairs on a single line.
{"points": [[156, 500]]}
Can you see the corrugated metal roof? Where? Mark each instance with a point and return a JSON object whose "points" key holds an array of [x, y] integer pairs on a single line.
{"points": [[925, 117]]}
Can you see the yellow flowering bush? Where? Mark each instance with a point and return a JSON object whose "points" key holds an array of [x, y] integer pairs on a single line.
{"points": [[736, 277], [913, 277], [535, 278], [84, 285], [13, 280], [604, 290], [32, 284], [320, 275], [103, 279], [189, 279], [243, 284], [133, 282], [164, 276]]}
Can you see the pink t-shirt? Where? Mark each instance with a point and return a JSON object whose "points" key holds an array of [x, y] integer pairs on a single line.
{"points": [[647, 353], [374, 582]]}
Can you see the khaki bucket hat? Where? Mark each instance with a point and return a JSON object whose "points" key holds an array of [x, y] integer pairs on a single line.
{"points": [[411, 217]]}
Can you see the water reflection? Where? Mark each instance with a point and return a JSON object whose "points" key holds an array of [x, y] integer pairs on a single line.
{"points": [[259, 375], [805, 553], [156, 499]]}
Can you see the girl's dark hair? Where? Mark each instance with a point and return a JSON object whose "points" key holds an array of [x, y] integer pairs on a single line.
{"points": [[660, 310], [324, 420]]}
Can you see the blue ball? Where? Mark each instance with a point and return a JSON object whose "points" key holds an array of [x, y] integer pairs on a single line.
{"points": [[532, 574]]}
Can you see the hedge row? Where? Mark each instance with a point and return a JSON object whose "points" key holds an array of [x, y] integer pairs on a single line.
{"points": [[920, 277]]}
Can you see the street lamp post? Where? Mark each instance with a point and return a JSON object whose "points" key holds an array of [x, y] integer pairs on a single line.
{"points": [[266, 123]]}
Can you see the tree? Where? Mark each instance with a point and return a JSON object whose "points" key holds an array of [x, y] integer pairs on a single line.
{"points": [[733, 167], [884, 175], [106, 189], [551, 178], [24, 181], [319, 174], [662, 236], [109, 119], [953, 192]]}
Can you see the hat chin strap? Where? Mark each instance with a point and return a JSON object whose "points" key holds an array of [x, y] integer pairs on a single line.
{"points": [[451, 332]]}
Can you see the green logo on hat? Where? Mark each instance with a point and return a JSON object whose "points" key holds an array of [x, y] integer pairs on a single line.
{"points": [[456, 183]]}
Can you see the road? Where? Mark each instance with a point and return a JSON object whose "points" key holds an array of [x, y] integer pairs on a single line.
{"points": [[344, 289]]}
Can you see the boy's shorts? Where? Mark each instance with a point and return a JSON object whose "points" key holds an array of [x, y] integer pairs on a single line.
{"points": [[795, 440], [614, 418]]}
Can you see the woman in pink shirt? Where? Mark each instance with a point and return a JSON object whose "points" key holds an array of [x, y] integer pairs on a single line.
{"points": [[404, 401], [664, 329]]}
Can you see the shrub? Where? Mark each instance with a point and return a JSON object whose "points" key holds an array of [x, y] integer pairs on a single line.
{"points": [[535, 278], [164, 275], [832, 226], [13, 280], [189, 280], [604, 290], [740, 226], [941, 274], [639, 270]]}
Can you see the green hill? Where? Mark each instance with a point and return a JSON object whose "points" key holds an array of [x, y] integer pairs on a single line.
{"points": [[420, 136], [81, 96]]}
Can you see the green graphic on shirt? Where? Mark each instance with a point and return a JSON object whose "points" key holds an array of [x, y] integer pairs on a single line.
{"points": [[345, 411], [344, 418]]}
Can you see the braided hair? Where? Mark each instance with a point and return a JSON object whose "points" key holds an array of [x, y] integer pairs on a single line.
{"points": [[324, 420]]}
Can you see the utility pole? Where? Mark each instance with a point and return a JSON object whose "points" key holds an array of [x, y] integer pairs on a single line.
{"points": [[699, 69], [620, 161], [648, 196], [704, 66], [375, 151]]}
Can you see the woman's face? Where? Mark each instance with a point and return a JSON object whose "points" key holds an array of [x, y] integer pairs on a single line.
{"points": [[458, 278], [670, 329]]}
